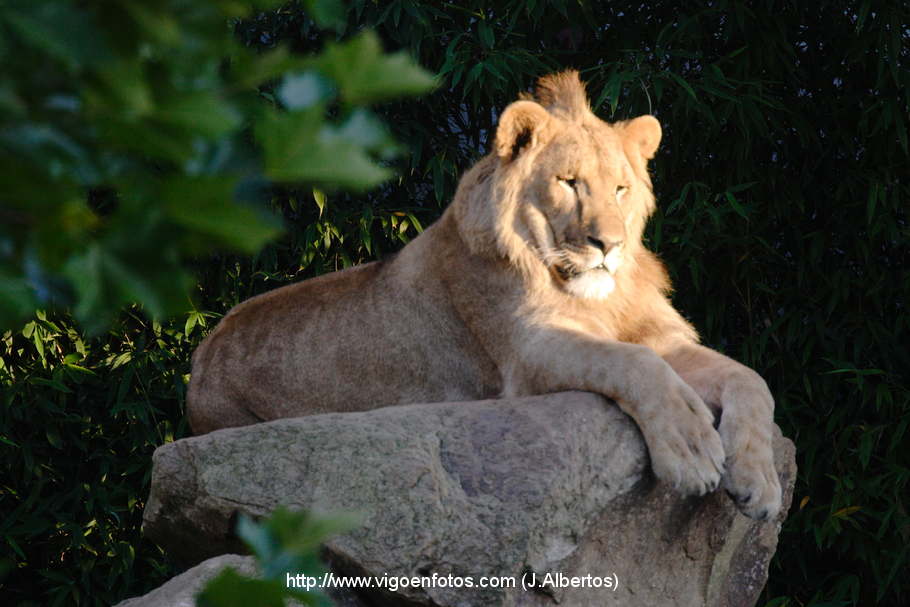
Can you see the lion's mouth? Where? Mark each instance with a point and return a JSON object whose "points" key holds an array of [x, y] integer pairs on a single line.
{"points": [[569, 268], [591, 283], [566, 273], [570, 272]]}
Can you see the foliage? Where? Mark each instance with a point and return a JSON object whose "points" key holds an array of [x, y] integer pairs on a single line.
{"points": [[286, 543], [80, 419], [134, 139], [125, 145], [780, 185]]}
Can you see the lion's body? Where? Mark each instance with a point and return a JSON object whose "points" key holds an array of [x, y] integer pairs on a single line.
{"points": [[378, 334], [383, 333], [534, 280]]}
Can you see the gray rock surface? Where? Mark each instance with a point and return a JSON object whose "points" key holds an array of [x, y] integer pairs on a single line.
{"points": [[554, 484], [181, 590]]}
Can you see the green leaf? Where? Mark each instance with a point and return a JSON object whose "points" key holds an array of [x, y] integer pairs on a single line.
{"points": [[250, 69], [319, 197], [51, 383], [366, 75], [286, 139], [610, 93], [328, 14], [191, 319], [285, 543], [52, 148], [867, 442], [230, 589], [6, 441], [106, 280], [685, 85], [486, 34], [416, 223], [62, 30], [53, 437], [17, 301], [202, 112], [155, 141], [473, 74], [299, 147], [205, 205], [161, 26], [121, 88], [299, 530], [257, 537], [64, 230], [735, 204], [741, 187]]}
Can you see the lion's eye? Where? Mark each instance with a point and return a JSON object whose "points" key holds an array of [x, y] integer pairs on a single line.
{"points": [[567, 182], [621, 191]]}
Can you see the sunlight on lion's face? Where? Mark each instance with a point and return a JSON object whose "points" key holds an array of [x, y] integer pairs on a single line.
{"points": [[579, 186], [580, 204]]}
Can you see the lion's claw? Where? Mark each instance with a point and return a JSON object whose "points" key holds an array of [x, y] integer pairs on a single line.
{"points": [[752, 483], [685, 449]]}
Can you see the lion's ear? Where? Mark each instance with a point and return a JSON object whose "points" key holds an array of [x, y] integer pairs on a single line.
{"points": [[519, 127], [644, 132]]}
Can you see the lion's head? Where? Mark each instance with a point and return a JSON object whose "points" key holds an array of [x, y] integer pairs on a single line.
{"points": [[563, 192]]}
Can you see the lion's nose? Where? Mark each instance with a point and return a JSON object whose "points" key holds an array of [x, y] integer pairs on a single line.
{"points": [[604, 246]]}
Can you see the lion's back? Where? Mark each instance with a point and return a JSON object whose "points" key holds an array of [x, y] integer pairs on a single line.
{"points": [[345, 341]]}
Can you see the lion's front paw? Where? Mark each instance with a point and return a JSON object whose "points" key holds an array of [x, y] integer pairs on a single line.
{"points": [[746, 428], [751, 479], [685, 448]]}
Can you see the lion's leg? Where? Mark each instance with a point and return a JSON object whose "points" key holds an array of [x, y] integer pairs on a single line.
{"points": [[676, 424], [747, 418]]}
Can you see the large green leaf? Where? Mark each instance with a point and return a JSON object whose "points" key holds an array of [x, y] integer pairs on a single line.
{"points": [[120, 90], [62, 30], [366, 75], [17, 300], [250, 69], [299, 147], [106, 278], [230, 589], [328, 14], [19, 176], [201, 112], [206, 206], [148, 139]]}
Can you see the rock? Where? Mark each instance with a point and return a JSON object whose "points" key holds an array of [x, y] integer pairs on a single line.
{"points": [[556, 484], [180, 591]]}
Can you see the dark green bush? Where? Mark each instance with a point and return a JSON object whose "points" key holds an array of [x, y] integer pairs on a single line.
{"points": [[782, 184], [80, 419]]}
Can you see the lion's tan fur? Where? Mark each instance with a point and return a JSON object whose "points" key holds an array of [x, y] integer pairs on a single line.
{"points": [[476, 307]]}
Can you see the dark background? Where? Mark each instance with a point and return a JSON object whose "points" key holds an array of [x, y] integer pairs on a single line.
{"points": [[782, 183]]}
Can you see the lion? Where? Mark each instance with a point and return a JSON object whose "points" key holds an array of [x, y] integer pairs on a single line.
{"points": [[533, 280]]}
